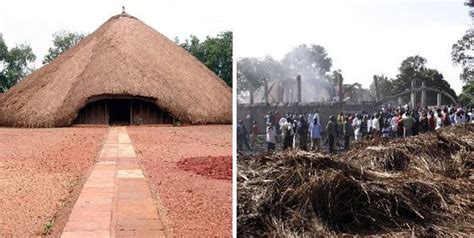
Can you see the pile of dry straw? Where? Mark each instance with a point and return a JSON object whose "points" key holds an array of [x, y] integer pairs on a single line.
{"points": [[420, 186]]}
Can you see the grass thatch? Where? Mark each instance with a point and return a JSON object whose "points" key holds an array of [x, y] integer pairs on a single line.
{"points": [[123, 57], [419, 186]]}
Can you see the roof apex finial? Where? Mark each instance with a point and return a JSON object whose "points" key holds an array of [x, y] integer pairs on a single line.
{"points": [[123, 9]]}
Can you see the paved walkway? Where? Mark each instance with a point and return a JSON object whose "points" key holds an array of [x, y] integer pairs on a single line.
{"points": [[115, 200]]}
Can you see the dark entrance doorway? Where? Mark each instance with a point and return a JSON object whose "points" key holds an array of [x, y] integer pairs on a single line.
{"points": [[122, 110], [119, 111]]}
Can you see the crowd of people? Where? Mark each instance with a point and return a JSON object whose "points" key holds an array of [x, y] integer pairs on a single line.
{"points": [[305, 131]]}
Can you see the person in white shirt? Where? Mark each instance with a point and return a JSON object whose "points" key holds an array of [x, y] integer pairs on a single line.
{"points": [[287, 133], [271, 137], [394, 125], [439, 121], [375, 124], [316, 115], [369, 124], [357, 123], [459, 117]]}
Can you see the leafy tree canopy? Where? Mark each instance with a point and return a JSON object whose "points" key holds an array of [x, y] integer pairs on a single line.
{"points": [[384, 84], [311, 62], [467, 95], [62, 40], [15, 64], [214, 52], [462, 53], [413, 67], [252, 72], [308, 61]]}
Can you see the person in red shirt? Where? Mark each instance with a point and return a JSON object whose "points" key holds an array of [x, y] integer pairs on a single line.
{"points": [[432, 121]]}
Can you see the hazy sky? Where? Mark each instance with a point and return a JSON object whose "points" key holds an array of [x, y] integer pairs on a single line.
{"points": [[34, 22], [363, 38]]}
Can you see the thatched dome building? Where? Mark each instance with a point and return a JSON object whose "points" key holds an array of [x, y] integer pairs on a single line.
{"points": [[124, 72]]}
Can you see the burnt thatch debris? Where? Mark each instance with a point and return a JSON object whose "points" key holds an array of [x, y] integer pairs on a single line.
{"points": [[420, 186]]}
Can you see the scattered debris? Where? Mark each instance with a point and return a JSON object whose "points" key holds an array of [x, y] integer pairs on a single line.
{"points": [[418, 186]]}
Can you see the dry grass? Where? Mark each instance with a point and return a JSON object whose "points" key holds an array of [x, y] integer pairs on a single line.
{"points": [[123, 57], [420, 186]]}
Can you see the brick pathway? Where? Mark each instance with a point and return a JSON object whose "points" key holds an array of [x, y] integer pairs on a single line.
{"points": [[115, 200]]}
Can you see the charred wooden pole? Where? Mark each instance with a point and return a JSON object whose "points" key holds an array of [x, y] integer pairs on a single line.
{"points": [[265, 88], [376, 88], [251, 91], [340, 88], [280, 92], [298, 82]]}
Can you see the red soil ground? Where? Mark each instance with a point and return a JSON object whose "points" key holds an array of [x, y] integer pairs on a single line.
{"points": [[211, 167], [40, 171], [190, 205]]}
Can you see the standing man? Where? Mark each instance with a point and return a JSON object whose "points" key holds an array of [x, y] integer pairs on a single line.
{"points": [[331, 130], [348, 131], [316, 115], [287, 133], [315, 135], [357, 125], [254, 135], [242, 136], [394, 125], [277, 121], [408, 122], [302, 130], [271, 138]]}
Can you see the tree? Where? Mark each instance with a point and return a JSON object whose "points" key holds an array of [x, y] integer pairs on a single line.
{"points": [[467, 96], [310, 62], [384, 85], [214, 52], [462, 54], [414, 68], [333, 77], [411, 68], [15, 64], [470, 3], [62, 41], [250, 76]]}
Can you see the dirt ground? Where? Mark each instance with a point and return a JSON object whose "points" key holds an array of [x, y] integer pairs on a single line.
{"points": [[40, 171], [211, 167], [190, 204]]}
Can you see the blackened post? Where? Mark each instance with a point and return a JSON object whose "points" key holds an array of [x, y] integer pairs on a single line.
{"points": [[265, 88], [251, 93], [340, 88], [298, 83], [376, 88]]}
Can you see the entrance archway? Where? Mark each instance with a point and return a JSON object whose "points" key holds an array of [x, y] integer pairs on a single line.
{"points": [[122, 110]]}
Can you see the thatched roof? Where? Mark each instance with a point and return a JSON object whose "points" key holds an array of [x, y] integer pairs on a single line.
{"points": [[123, 57]]}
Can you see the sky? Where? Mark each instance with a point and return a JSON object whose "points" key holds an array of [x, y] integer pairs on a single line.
{"points": [[363, 38], [34, 22]]}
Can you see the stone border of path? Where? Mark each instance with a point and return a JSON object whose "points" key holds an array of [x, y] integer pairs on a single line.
{"points": [[115, 201]]}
